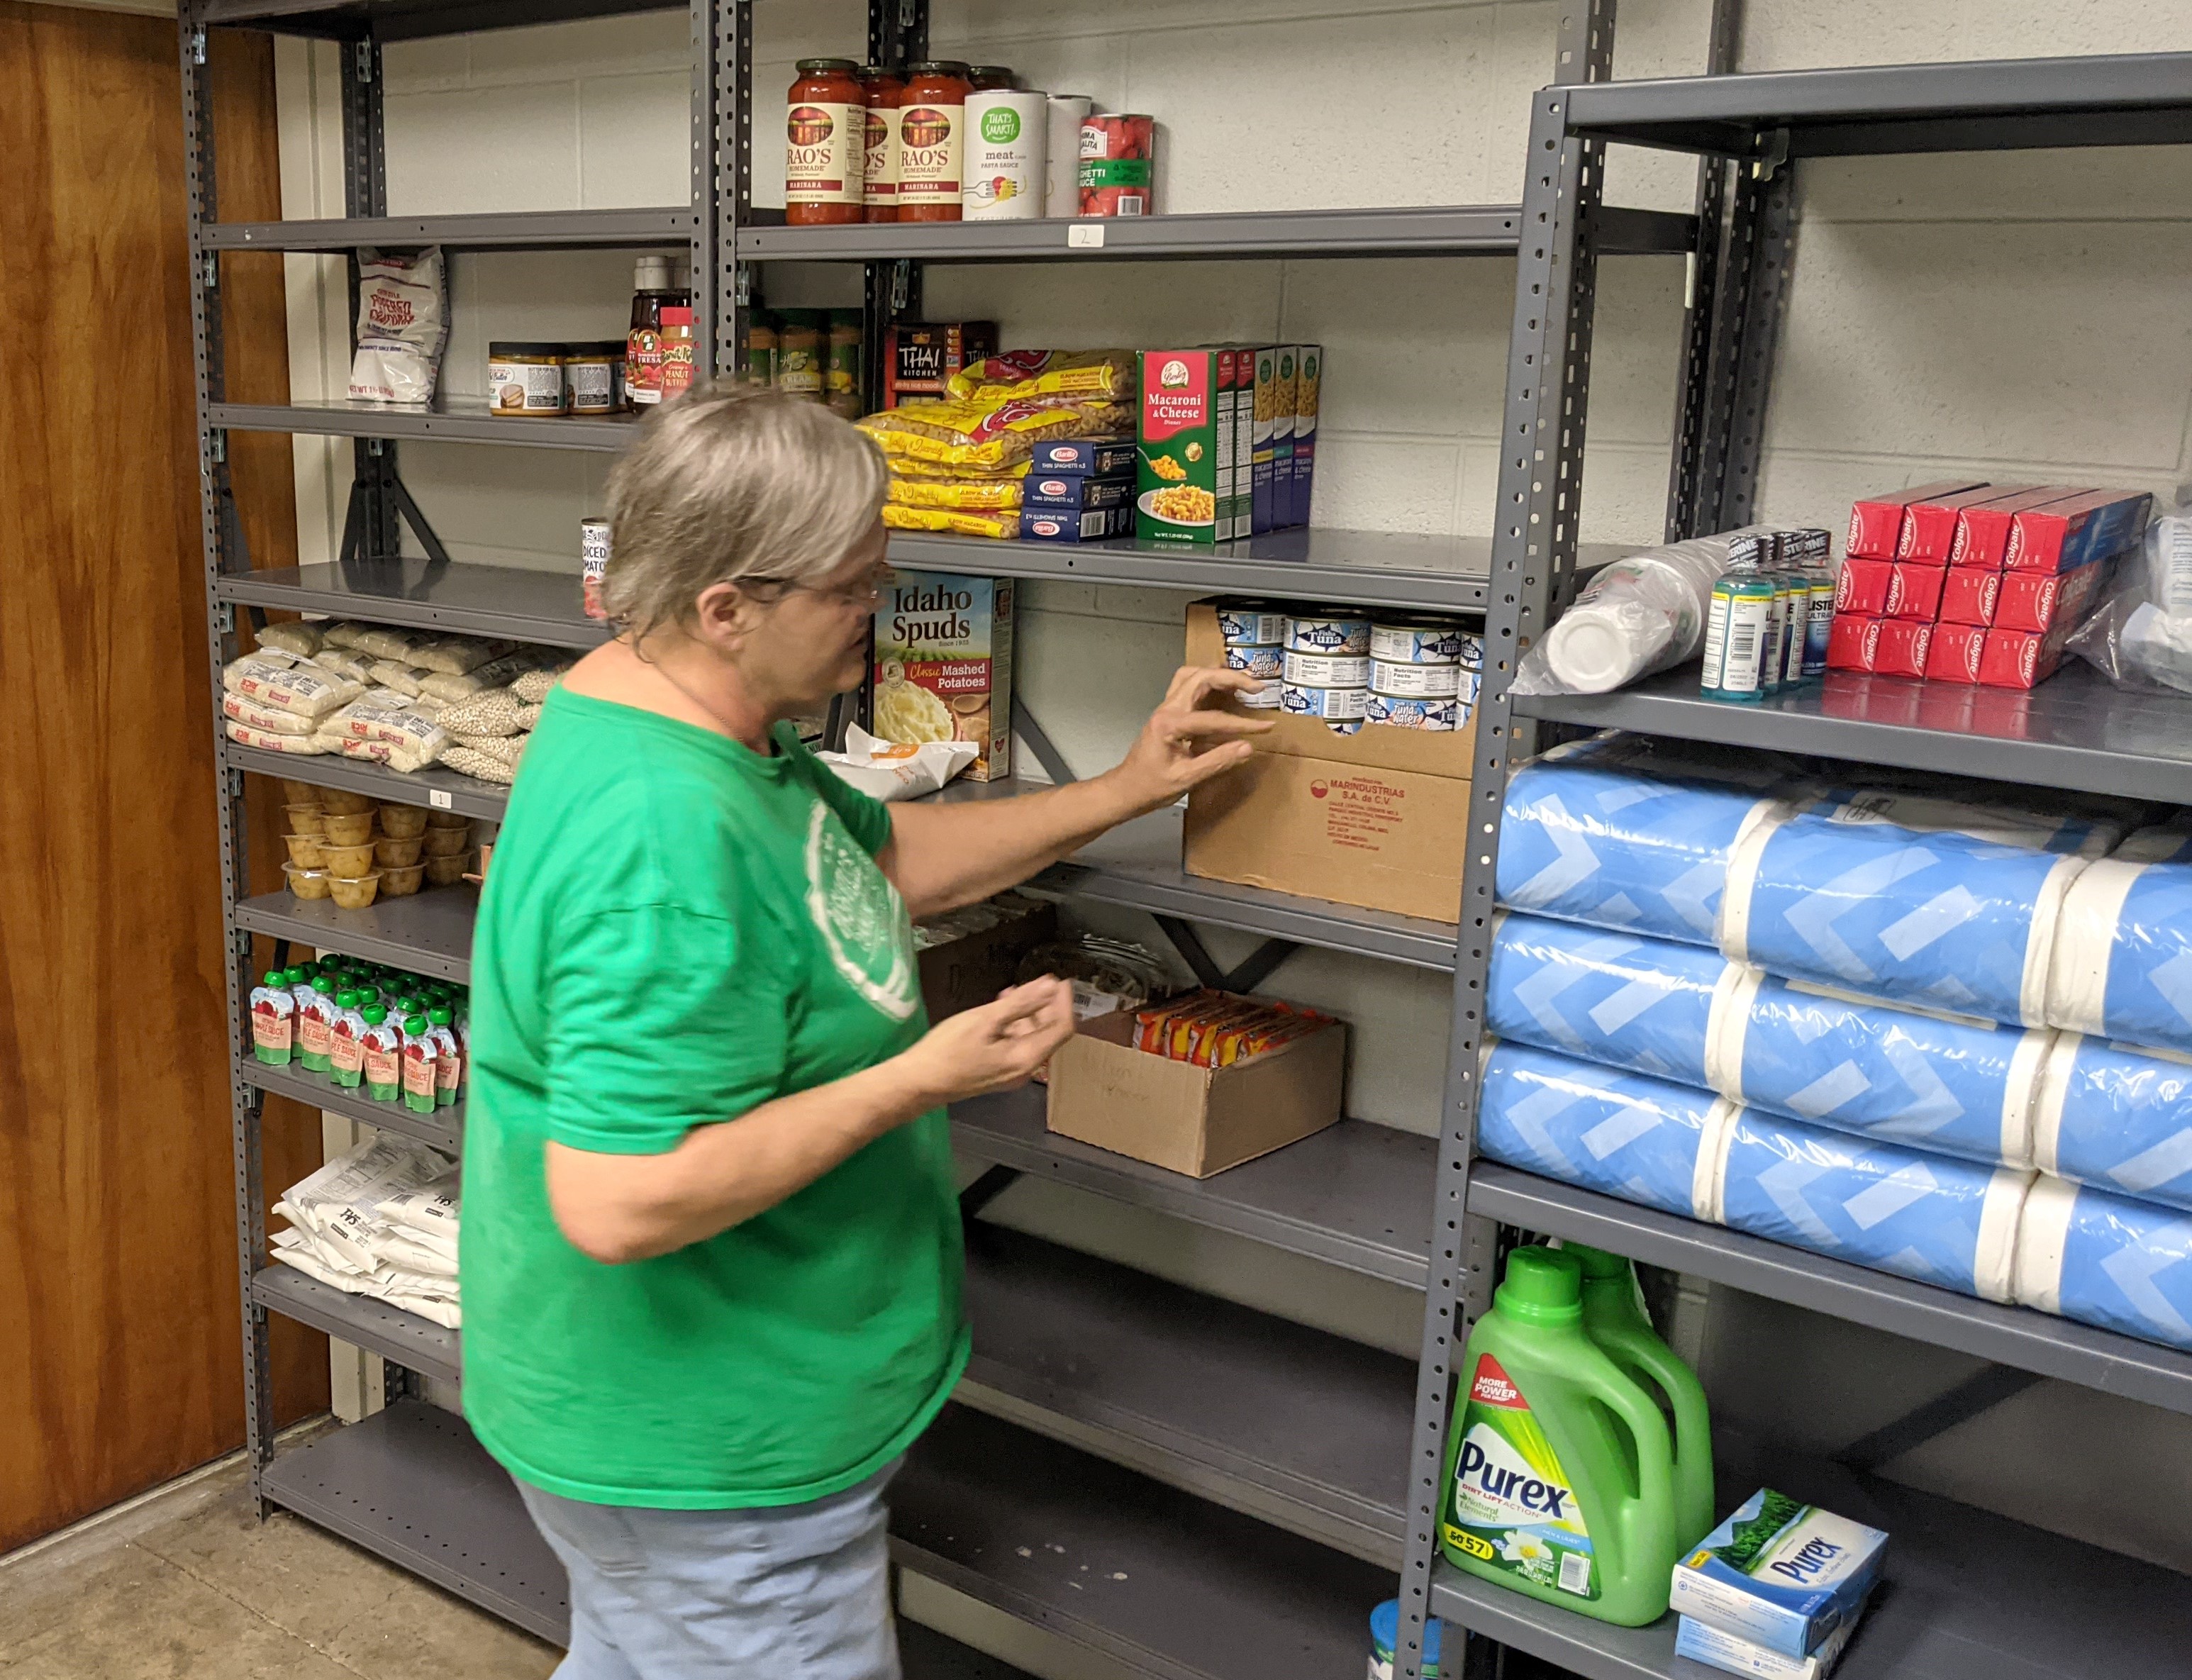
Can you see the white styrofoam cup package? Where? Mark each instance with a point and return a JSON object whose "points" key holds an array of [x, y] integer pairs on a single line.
{"points": [[2115, 1117], [2107, 1261]]}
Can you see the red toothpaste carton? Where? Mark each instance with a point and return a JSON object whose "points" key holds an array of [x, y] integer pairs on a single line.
{"points": [[1862, 585], [2044, 600], [1981, 536], [2021, 659], [2067, 534], [1954, 656], [1929, 527], [1902, 647], [1914, 592], [1852, 641], [1969, 594], [1875, 524]]}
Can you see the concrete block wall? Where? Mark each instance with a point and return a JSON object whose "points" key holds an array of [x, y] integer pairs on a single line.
{"points": [[2024, 316]]}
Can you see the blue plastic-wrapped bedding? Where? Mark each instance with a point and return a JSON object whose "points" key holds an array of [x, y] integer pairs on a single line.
{"points": [[1940, 920], [1617, 999], [2122, 963], [2107, 1261], [1927, 1217], [1643, 1139], [2113, 1117]]}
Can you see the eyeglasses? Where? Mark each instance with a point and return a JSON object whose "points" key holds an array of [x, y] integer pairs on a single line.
{"points": [[864, 594]]}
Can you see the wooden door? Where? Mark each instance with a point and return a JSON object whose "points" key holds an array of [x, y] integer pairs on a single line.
{"points": [[120, 1350]]}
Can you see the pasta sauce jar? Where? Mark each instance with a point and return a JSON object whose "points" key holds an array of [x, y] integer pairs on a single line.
{"points": [[882, 89], [825, 127], [932, 122]]}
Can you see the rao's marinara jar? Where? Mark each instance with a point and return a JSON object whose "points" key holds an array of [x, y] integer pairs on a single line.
{"points": [[882, 88], [826, 136], [932, 119]]}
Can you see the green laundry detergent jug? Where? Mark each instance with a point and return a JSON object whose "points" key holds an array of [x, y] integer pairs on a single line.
{"points": [[1541, 1493], [1613, 1317]]}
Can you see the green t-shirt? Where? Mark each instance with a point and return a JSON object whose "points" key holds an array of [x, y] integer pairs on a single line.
{"points": [[675, 930]]}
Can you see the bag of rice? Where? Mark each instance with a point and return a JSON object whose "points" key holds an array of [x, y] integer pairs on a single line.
{"points": [[266, 740], [403, 678], [473, 763], [416, 734], [339, 632], [396, 757], [271, 719], [494, 674], [492, 712], [273, 656], [345, 662], [301, 639], [454, 656], [299, 688], [386, 642]]}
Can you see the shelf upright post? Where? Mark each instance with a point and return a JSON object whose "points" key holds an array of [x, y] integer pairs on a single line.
{"points": [[1691, 511], [1761, 245], [214, 530], [371, 529], [730, 202], [715, 315], [1533, 555]]}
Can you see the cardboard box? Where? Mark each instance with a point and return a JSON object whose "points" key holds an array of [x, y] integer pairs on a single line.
{"points": [[2043, 600], [1177, 476], [1074, 492], [1914, 592], [1041, 525], [1233, 476], [920, 356], [1192, 1120], [1929, 527], [2064, 535], [1245, 360], [1283, 436], [971, 970], [1902, 648], [2024, 658], [1373, 819], [1954, 653], [1969, 594], [1852, 642], [1862, 585], [943, 666], [1309, 383], [1089, 456], [1875, 524], [1263, 403], [1982, 538]]}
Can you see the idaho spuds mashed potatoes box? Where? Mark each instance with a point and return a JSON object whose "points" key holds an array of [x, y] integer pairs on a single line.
{"points": [[943, 666]]}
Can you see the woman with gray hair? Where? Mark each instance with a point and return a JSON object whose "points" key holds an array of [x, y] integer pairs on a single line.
{"points": [[711, 1258]]}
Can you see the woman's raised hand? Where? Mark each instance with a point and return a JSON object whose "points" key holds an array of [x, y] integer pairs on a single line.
{"points": [[1186, 742]]}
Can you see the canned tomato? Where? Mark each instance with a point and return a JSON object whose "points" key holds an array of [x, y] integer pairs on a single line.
{"points": [[1332, 636], [1332, 704], [1243, 623], [593, 562], [1115, 157], [1396, 711], [1441, 681], [1327, 670], [1266, 665], [1423, 641]]}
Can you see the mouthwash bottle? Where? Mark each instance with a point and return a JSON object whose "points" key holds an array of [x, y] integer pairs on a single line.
{"points": [[1541, 1493], [1614, 1318], [1740, 635]]}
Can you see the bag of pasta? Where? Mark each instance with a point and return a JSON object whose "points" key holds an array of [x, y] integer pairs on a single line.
{"points": [[989, 495], [967, 434], [905, 466], [959, 523], [1083, 375]]}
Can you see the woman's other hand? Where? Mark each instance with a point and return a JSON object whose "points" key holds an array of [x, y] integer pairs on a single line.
{"points": [[993, 1048], [1174, 751]]}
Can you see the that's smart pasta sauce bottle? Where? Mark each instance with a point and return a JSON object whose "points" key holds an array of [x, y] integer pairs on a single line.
{"points": [[883, 90], [826, 128], [931, 133]]}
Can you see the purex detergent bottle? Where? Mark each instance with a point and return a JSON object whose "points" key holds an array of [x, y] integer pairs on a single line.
{"points": [[1541, 1494], [1614, 1318]]}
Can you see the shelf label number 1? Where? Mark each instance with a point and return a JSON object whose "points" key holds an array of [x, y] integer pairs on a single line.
{"points": [[439, 798]]}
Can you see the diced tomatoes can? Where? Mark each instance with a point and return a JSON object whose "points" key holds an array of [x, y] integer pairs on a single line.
{"points": [[1117, 153]]}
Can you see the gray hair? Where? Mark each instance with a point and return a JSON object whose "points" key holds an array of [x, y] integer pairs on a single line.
{"points": [[730, 483]]}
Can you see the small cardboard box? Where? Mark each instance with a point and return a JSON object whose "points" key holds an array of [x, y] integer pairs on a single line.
{"points": [[971, 970], [1929, 527], [2064, 535], [1192, 1120], [1309, 381], [1969, 594], [1177, 477], [943, 666], [1954, 652], [1982, 538], [1373, 819], [1861, 587], [920, 357], [1876, 526], [1914, 592]]}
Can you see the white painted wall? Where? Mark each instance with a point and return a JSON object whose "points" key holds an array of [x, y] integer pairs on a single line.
{"points": [[2023, 316]]}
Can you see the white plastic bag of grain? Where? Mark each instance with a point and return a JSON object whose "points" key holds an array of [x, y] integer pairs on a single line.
{"points": [[454, 656], [305, 689], [267, 656], [339, 632], [477, 763], [506, 748], [270, 718], [302, 640], [494, 674], [266, 740], [386, 642], [345, 662], [402, 323], [493, 711], [533, 687], [396, 757], [403, 678], [419, 736]]}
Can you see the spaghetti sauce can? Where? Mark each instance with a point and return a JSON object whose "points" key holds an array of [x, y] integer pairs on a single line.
{"points": [[1117, 153]]}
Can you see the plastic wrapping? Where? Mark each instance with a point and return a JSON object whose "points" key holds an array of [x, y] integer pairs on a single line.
{"points": [[1942, 921], [1638, 616], [2109, 1116], [1642, 1140], [2107, 1261], [1642, 1004], [1590, 836], [1922, 1216], [2140, 636], [2122, 962], [2007, 821], [2166, 842], [1950, 1085]]}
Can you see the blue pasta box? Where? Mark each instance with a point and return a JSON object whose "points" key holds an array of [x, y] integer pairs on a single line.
{"points": [[1049, 524], [1092, 457], [1076, 492]]}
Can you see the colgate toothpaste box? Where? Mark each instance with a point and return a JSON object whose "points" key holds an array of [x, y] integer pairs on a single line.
{"points": [[1955, 654], [2066, 534], [2045, 600], [1852, 641], [1875, 525], [1969, 594], [1862, 585], [1929, 527], [1914, 592], [1902, 648], [2021, 659], [1981, 536]]}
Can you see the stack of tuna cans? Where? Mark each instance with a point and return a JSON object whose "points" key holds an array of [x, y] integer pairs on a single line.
{"points": [[1423, 673], [1255, 633], [1327, 669]]}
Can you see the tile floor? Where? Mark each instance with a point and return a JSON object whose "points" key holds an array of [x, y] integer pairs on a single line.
{"points": [[212, 1593]]}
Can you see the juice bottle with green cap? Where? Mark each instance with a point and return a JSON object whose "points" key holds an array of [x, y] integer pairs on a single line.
{"points": [[420, 1052], [1541, 1493], [1614, 1317], [383, 1056]]}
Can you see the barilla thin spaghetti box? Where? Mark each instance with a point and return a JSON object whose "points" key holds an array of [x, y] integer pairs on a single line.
{"points": [[1309, 381], [1177, 482], [1700, 1644], [1780, 1574], [943, 666]]}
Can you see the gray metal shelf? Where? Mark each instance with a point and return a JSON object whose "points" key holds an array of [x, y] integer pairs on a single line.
{"points": [[1355, 1194], [1163, 1582], [456, 420], [435, 786], [430, 933], [402, 19], [1301, 1429], [2130, 99], [1966, 1595], [1446, 230], [517, 230], [444, 1128], [512, 602], [2075, 730], [2008, 1335], [416, 1343]]}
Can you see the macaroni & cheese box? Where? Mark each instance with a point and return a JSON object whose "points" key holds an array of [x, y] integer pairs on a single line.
{"points": [[1176, 476], [943, 666]]}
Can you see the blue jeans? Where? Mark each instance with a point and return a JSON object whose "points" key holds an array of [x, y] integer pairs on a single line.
{"points": [[794, 1590]]}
